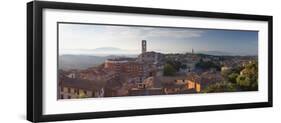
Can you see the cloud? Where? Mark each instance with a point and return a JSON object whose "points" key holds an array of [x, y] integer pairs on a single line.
{"points": [[174, 34], [150, 32], [166, 40], [74, 36]]}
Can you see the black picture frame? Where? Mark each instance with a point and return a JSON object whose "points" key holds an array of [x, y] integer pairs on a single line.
{"points": [[35, 69]]}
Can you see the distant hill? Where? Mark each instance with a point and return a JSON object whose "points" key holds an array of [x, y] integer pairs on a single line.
{"points": [[67, 62], [216, 53], [106, 49], [220, 53]]}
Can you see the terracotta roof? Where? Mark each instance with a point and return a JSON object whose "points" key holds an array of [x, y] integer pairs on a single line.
{"points": [[78, 83], [142, 92], [169, 79]]}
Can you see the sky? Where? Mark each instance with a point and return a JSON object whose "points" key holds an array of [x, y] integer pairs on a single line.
{"points": [[90, 37]]}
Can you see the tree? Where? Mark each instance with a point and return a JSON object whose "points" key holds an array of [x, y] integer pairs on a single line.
{"points": [[206, 65], [183, 66], [248, 80], [169, 70], [226, 73], [220, 87], [237, 69], [175, 64], [243, 81], [232, 77]]}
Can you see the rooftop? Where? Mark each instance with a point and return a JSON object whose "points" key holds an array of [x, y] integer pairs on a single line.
{"points": [[78, 83]]}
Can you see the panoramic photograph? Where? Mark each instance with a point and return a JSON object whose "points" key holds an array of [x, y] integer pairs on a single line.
{"points": [[102, 60]]}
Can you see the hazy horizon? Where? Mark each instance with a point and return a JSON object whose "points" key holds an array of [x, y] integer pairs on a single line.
{"points": [[109, 39]]}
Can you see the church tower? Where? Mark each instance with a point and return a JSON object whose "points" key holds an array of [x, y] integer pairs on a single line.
{"points": [[143, 46]]}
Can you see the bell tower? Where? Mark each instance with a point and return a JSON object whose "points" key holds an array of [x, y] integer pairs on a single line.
{"points": [[143, 42]]}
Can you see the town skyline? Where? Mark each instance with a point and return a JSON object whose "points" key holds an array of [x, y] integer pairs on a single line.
{"points": [[81, 38], [154, 73]]}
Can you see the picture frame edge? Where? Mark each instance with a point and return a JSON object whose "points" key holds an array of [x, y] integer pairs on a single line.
{"points": [[35, 70]]}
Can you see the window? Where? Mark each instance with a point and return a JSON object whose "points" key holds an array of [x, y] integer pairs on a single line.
{"points": [[64, 89], [72, 90]]}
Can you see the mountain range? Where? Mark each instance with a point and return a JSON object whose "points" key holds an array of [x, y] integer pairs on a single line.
{"points": [[67, 62], [82, 59], [102, 51]]}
